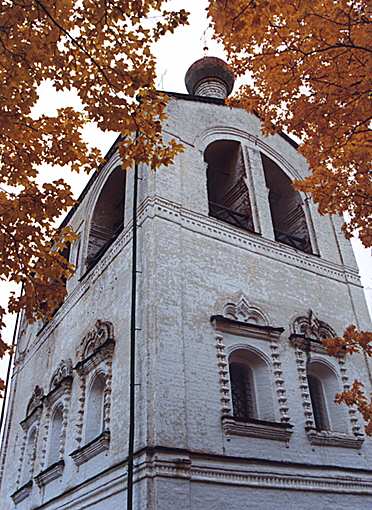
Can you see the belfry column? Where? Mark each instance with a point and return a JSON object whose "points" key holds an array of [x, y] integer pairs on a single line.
{"points": [[255, 173]]}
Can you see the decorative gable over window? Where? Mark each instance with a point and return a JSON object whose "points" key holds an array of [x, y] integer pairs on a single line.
{"points": [[26, 462], [94, 367], [308, 332], [253, 396], [57, 405], [321, 377]]}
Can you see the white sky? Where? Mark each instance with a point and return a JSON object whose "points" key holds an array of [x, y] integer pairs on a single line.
{"points": [[175, 53]]}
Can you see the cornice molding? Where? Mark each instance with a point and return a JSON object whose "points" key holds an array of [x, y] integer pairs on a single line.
{"points": [[199, 470], [248, 329], [159, 207], [201, 223], [307, 344]]}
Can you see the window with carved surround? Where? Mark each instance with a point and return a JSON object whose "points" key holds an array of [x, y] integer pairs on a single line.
{"points": [[56, 411], [26, 463], [320, 377], [253, 396], [94, 367]]}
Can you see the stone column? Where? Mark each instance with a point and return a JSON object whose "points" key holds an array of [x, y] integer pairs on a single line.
{"points": [[260, 193]]}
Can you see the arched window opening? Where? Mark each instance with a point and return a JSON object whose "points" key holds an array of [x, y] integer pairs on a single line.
{"points": [[94, 415], [242, 391], [228, 195], [323, 387], [319, 403], [29, 456], [251, 391], [108, 216], [288, 217], [55, 436]]}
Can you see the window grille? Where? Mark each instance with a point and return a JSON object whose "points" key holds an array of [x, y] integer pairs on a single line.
{"points": [[242, 390]]}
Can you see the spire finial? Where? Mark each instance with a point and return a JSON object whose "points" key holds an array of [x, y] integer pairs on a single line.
{"points": [[205, 45]]}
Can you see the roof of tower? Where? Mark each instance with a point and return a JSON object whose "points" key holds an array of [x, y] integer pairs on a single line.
{"points": [[209, 69]]}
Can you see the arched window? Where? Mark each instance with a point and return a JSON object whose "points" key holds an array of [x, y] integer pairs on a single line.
{"points": [[94, 414], [55, 435], [318, 403], [108, 216], [288, 217], [228, 195], [251, 391], [29, 455], [323, 386]]}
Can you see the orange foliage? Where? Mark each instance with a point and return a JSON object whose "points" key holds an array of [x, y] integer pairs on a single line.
{"points": [[356, 397], [352, 342], [102, 50], [311, 66]]}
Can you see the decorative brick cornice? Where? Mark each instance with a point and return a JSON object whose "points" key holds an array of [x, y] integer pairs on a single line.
{"points": [[206, 469], [247, 329], [307, 344], [155, 206], [211, 227]]}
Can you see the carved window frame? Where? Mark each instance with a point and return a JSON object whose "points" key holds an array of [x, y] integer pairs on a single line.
{"points": [[30, 423], [243, 320], [94, 357], [59, 395], [307, 332]]}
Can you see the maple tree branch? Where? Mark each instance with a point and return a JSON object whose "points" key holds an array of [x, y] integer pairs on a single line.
{"points": [[251, 3], [361, 123], [74, 41]]}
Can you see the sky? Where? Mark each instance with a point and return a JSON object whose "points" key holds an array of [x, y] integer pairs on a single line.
{"points": [[175, 54]]}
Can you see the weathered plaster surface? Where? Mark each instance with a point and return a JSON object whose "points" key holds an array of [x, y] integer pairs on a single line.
{"points": [[190, 266]]}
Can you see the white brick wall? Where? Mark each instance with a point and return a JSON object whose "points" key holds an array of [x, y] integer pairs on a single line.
{"points": [[190, 265]]}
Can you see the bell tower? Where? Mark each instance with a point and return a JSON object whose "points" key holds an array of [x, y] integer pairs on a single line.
{"points": [[239, 280]]}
